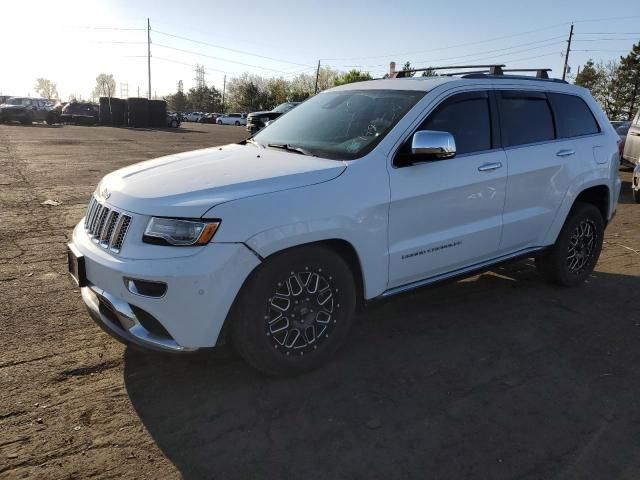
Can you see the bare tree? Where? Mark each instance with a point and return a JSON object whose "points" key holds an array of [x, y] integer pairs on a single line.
{"points": [[46, 88], [105, 86]]}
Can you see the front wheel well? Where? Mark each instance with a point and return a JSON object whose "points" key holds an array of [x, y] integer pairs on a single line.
{"points": [[597, 196]]}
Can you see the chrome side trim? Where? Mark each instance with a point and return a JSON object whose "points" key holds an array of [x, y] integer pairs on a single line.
{"points": [[459, 272], [130, 330]]}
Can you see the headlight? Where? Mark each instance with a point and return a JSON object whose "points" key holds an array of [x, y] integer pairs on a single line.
{"points": [[169, 231]]}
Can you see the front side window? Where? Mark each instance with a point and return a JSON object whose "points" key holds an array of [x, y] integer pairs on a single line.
{"points": [[525, 118], [467, 118], [343, 125], [573, 116]]}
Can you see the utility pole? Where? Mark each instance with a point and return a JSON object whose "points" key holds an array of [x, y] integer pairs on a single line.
{"points": [[566, 55], [149, 54], [224, 89], [317, 77]]}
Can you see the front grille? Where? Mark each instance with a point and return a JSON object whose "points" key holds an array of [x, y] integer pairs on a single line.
{"points": [[106, 226], [254, 121]]}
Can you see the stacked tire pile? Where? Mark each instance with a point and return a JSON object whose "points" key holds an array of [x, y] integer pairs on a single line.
{"points": [[157, 113], [138, 112], [133, 112]]}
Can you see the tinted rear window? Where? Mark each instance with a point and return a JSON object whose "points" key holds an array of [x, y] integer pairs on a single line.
{"points": [[573, 116], [525, 119]]}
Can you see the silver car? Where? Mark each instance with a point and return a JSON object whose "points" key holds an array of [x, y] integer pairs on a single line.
{"points": [[631, 152]]}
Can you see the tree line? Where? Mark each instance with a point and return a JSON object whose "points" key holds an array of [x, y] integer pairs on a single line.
{"points": [[614, 84], [250, 93]]}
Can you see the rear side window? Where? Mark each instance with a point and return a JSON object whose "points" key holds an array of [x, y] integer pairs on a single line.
{"points": [[573, 116], [525, 118], [467, 118]]}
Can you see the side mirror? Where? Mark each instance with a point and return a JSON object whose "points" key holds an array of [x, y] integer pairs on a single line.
{"points": [[433, 145]]}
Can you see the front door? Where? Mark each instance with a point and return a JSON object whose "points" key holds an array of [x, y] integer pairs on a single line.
{"points": [[447, 214]]}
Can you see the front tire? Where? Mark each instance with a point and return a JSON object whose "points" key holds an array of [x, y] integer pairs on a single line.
{"points": [[237, 123], [294, 311], [576, 251]]}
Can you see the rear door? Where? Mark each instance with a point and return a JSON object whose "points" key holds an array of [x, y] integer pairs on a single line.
{"points": [[545, 153], [632, 143]]}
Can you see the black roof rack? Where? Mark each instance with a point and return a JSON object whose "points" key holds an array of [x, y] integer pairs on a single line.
{"points": [[493, 68], [495, 71]]}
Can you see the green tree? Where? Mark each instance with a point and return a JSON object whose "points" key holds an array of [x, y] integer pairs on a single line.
{"points": [[177, 102], [46, 88], [589, 77], [429, 73], [277, 91], [406, 67], [203, 99], [247, 93], [352, 76], [627, 83]]}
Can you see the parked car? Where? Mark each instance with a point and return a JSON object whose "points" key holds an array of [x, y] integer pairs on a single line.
{"points": [[26, 110], [622, 128], [258, 120], [232, 119], [193, 116], [362, 192], [631, 152], [173, 120], [209, 118], [83, 113]]}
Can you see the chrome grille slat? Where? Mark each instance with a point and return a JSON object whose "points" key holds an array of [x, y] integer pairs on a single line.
{"points": [[105, 226]]}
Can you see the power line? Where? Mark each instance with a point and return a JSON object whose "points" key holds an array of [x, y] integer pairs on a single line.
{"points": [[219, 58], [608, 33], [604, 39], [230, 49]]}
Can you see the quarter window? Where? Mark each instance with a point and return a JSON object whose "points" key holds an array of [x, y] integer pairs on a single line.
{"points": [[525, 118], [573, 116], [467, 118]]}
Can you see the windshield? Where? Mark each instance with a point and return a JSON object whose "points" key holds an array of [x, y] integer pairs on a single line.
{"points": [[284, 107], [340, 125], [19, 101]]}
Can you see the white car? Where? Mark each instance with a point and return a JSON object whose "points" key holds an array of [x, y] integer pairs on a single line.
{"points": [[232, 119], [193, 116], [364, 191]]}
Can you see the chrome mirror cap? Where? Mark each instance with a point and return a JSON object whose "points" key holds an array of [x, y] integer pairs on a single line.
{"points": [[439, 145]]}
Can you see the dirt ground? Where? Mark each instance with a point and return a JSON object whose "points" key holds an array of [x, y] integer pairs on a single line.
{"points": [[495, 376]]}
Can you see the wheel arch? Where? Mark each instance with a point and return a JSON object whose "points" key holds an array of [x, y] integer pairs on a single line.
{"points": [[596, 192]]}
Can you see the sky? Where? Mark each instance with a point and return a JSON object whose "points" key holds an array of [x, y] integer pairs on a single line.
{"points": [[71, 41]]}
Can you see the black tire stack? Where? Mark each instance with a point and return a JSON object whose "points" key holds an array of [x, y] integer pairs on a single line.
{"points": [[119, 112], [138, 112], [157, 113], [105, 117]]}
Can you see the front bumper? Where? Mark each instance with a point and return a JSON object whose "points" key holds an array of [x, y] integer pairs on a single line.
{"points": [[201, 288]]}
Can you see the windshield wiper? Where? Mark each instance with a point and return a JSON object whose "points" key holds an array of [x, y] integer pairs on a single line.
{"points": [[251, 140], [290, 148]]}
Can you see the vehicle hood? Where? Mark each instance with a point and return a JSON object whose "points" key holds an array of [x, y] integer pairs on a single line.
{"points": [[265, 114], [190, 183]]}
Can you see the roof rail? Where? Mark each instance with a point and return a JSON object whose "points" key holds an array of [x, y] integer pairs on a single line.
{"points": [[493, 70]]}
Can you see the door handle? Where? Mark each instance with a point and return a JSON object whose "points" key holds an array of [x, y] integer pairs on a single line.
{"points": [[565, 153], [487, 167]]}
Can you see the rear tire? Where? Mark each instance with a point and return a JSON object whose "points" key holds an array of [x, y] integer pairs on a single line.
{"points": [[294, 311], [575, 254], [237, 123]]}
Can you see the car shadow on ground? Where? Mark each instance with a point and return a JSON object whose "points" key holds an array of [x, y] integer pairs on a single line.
{"points": [[496, 376]]}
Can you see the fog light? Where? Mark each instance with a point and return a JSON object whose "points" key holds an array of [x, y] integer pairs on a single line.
{"points": [[145, 288]]}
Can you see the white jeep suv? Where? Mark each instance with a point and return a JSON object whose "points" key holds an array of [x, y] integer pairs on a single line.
{"points": [[363, 191]]}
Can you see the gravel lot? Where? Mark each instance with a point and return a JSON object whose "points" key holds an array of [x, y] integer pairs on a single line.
{"points": [[495, 376]]}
